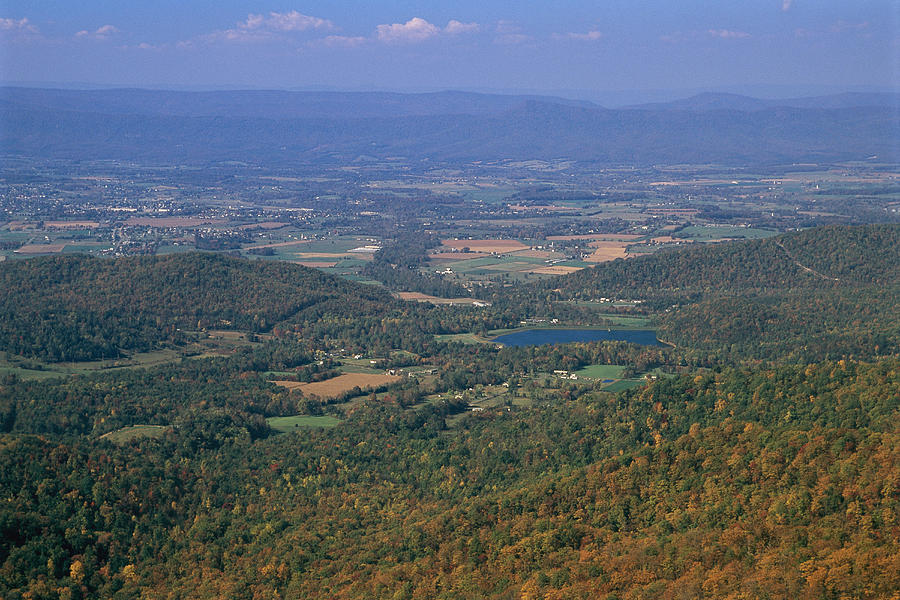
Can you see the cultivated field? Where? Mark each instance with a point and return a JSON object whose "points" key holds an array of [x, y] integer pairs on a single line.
{"points": [[71, 224], [538, 254], [702, 234], [334, 387], [278, 244], [419, 297], [601, 372], [166, 222], [41, 249], [624, 237], [555, 270], [288, 424], [606, 251], [454, 256], [495, 246], [316, 264]]}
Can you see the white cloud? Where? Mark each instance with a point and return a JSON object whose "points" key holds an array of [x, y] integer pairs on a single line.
{"points": [[290, 21], [340, 41], [728, 34], [414, 30], [455, 27], [19, 26], [786, 5], [590, 36], [101, 33], [261, 28]]}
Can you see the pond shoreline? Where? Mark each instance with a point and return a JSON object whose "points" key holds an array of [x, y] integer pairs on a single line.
{"points": [[540, 336]]}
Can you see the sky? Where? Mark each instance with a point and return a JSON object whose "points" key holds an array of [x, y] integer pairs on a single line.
{"points": [[578, 47]]}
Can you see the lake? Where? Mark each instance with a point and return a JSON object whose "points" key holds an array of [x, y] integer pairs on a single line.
{"points": [[538, 337]]}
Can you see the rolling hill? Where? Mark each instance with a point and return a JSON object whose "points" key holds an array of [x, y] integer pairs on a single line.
{"points": [[829, 292], [81, 308]]}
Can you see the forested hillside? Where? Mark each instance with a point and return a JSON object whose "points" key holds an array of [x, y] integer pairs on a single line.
{"points": [[823, 293], [81, 308], [778, 483], [756, 457], [823, 258]]}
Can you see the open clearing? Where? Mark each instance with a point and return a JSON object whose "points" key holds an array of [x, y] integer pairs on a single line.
{"points": [[419, 297], [288, 424], [465, 338], [606, 251], [278, 245], [173, 221], [126, 434], [624, 384], [495, 246], [40, 249], [702, 233], [619, 237], [71, 224], [334, 387], [601, 372], [454, 256], [538, 254], [316, 264], [555, 270]]}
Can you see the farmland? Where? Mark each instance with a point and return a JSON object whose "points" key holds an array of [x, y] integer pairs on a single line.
{"points": [[605, 251], [504, 224], [336, 386], [419, 297], [601, 372], [289, 424], [488, 246]]}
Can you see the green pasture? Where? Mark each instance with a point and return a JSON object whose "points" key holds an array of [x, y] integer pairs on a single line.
{"points": [[288, 424], [699, 233], [628, 322], [623, 384], [465, 338], [601, 372], [30, 369], [359, 366]]}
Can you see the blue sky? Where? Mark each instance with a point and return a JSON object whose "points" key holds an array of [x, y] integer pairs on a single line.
{"points": [[487, 45]]}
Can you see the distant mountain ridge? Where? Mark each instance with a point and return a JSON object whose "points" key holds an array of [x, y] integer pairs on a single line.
{"points": [[272, 104], [333, 127], [723, 101]]}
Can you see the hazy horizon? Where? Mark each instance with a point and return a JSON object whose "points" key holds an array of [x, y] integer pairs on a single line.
{"points": [[607, 98], [619, 52]]}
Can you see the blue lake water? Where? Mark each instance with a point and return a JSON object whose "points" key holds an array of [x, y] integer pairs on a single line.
{"points": [[538, 337]]}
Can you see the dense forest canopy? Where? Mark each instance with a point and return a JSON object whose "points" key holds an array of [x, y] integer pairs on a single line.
{"points": [[755, 455], [821, 293], [833, 257], [82, 308]]}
